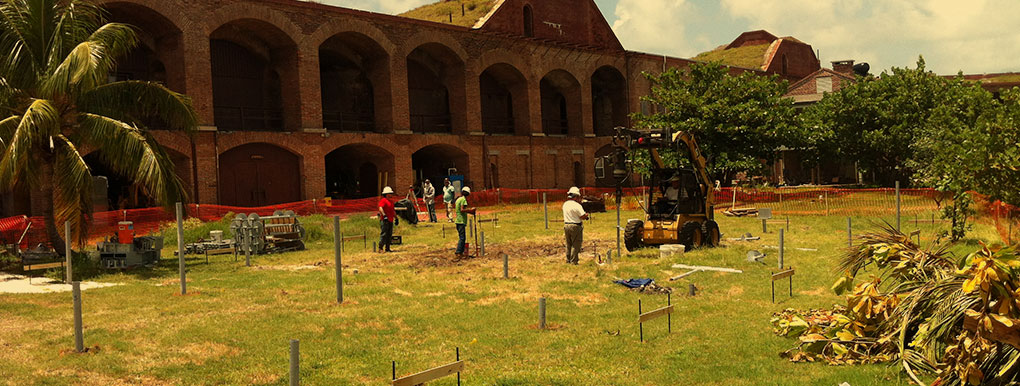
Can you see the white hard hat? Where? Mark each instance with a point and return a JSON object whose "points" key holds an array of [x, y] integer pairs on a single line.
{"points": [[387, 190], [466, 190], [574, 191]]}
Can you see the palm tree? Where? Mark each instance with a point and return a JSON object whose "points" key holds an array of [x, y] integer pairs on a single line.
{"points": [[56, 100]]}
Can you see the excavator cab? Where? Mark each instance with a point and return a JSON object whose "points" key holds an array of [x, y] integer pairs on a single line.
{"points": [[679, 201]]}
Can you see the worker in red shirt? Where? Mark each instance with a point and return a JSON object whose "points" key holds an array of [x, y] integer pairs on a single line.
{"points": [[387, 214]]}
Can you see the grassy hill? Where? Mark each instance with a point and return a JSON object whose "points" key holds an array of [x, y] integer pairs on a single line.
{"points": [[746, 57], [442, 11]]}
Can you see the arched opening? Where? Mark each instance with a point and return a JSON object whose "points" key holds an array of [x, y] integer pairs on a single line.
{"points": [[353, 73], [608, 100], [358, 170], [112, 190], [435, 82], [254, 76], [259, 174], [529, 21], [561, 104], [504, 92], [435, 162], [157, 56]]}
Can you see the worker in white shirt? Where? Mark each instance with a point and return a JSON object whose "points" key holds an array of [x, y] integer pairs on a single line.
{"points": [[673, 191], [573, 226]]}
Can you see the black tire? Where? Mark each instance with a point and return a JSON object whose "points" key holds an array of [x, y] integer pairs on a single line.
{"points": [[691, 236], [632, 235], [712, 235]]}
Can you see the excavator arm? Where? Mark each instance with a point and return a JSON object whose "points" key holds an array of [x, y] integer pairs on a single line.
{"points": [[700, 164]]}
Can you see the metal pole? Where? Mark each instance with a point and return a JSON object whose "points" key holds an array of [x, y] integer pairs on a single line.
{"points": [[506, 266], [79, 340], [67, 251], [458, 348], [619, 203], [482, 244], [691, 289], [641, 326], [338, 252], [897, 205], [781, 248], [295, 365], [541, 313], [849, 232], [669, 316], [247, 256], [826, 202], [764, 226], [546, 207], [180, 247]]}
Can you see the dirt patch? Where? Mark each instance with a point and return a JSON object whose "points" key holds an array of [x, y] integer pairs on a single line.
{"points": [[292, 268], [735, 291], [199, 353], [820, 291], [18, 284], [587, 299], [517, 250]]}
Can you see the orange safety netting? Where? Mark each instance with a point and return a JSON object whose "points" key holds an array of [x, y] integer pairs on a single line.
{"points": [[787, 201]]}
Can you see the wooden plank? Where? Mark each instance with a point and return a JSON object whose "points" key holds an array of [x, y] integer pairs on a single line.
{"points": [[782, 275], [705, 268], [430, 374], [655, 314], [36, 267], [221, 251]]}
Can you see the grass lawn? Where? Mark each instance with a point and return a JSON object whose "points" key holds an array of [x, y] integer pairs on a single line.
{"points": [[415, 306]]}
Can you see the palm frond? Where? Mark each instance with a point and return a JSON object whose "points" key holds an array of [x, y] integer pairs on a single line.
{"points": [[7, 127], [40, 121], [133, 153], [131, 101], [72, 187], [19, 60], [88, 64]]}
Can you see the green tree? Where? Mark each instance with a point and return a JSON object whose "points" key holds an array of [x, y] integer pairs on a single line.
{"points": [[57, 99], [738, 120], [876, 121]]}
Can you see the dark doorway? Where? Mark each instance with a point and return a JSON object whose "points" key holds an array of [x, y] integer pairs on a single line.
{"points": [[259, 174], [561, 104], [358, 171], [435, 82], [350, 65], [608, 100], [435, 162], [578, 174], [504, 100]]}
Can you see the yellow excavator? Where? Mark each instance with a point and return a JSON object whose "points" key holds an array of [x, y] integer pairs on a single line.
{"points": [[679, 202]]}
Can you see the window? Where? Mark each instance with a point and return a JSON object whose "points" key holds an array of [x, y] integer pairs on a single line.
{"points": [[823, 84], [529, 22]]}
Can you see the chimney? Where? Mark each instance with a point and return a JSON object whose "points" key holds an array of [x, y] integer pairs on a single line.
{"points": [[845, 67]]}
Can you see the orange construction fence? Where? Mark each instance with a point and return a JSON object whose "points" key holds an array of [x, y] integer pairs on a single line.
{"points": [[784, 201]]}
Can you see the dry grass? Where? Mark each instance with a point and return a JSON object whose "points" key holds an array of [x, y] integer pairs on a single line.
{"points": [[746, 57], [443, 11]]}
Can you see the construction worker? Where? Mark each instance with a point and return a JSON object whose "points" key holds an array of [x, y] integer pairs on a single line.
{"points": [[387, 214], [448, 196], [429, 192], [573, 224], [462, 211]]}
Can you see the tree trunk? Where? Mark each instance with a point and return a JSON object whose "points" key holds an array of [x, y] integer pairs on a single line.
{"points": [[46, 189]]}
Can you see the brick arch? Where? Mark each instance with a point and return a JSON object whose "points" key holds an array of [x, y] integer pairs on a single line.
{"points": [[562, 102], [492, 57], [434, 159], [358, 169], [174, 15], [429, 112], [609, 99], [337, 26], [241, 11], [288, 143], [423, 38], [259, 173]]}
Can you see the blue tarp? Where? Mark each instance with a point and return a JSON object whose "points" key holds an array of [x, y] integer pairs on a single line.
{"points": [[634, 283]]}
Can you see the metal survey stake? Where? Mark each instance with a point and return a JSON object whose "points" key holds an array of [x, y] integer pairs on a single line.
{"points": [[849, 232], [897, 205], [295, 362], [338, 251], [541, 313], [619, 201], [79, 340], [180, 247], [482, 244], [67, 251], [506, 266], [781, 248], [546, 208]]}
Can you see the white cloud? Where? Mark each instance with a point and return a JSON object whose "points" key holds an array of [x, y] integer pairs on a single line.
{"points": [[381, 6], [653, 25], [975, 36]]}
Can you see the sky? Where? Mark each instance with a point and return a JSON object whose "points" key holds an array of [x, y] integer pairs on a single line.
{"points": [[973, 36]]}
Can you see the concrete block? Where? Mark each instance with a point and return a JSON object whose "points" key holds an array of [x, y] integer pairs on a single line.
{"points": [[670, 250]]}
